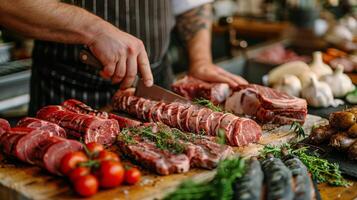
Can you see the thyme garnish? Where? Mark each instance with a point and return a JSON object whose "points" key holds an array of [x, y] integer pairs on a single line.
{"points": [[297, 128], [208, 104], [321, 169]]}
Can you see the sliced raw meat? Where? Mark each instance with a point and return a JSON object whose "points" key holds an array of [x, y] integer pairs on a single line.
{"points": [[90, 128], [29, 122], [193, 118], [4, 126], [9, 139], [267, 105], [192, 88]]}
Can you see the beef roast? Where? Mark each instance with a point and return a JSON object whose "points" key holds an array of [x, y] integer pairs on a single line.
{"points": [[80, 107], [267, 105], [4, 126], [90, 128], [193, 88], [190, 118], [30, 122]]}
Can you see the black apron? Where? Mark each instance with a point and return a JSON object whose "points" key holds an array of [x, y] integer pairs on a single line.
{"points": [[58, 74]]}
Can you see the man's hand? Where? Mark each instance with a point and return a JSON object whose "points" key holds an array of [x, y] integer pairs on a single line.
{"points": [[122, 55], [212, 73]]}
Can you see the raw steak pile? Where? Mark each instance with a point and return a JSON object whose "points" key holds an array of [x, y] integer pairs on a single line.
{"points": [[90, 128], [267, 105], [192, 88], [190, 118], [166, 151], [4, 126], [81, 108], [33, 144]]}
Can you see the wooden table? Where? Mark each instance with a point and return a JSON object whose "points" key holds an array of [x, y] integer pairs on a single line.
{"points": [[22, 181]]}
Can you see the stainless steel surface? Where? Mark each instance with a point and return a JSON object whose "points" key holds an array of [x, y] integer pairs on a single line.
{"points": [[5, 51], [157, 93]]}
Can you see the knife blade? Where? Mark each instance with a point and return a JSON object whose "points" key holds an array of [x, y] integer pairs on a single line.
{"points": [[157, 93]]}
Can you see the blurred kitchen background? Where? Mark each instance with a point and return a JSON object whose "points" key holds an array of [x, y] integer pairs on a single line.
{"points": [[250, 37]]}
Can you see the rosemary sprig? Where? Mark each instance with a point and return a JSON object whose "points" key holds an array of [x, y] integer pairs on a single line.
{"points": [[221, 137], [321, 169], [298, 129], [208, 104], [219, 188]]}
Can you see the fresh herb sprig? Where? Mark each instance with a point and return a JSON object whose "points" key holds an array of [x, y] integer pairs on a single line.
{"points": [[321, 169], [221, 187], [208, 104], [298, 129]]}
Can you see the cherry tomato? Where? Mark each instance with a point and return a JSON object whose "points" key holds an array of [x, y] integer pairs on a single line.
{"points": [[107, 155], [94, 147], [132, 176], [71, 160], [78, 172], [110, 174], [86, 185]]}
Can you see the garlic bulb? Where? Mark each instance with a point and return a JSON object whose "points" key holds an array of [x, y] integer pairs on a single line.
{"points": [[319, 94], [305, 78], [294, 68], [318, 66], [339, 82], [289, 84]]}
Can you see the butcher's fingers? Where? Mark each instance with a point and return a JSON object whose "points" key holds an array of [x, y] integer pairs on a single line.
{"points": [[120, 70], [144, 69], [131, 71], [223, 78]]}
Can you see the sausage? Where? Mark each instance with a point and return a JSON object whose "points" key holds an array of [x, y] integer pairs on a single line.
{"points": [[342, 120], [352, 151], [278, 179], [249, 187], [303, 186], [352, 131], [341, 141], [321, 134]]}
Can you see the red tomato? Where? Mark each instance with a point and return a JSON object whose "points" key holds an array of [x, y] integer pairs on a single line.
{"points": [[107, 155], [86, 185], [110, 174], [94, 147], [78, 172], [71, 160], [132, 176]]}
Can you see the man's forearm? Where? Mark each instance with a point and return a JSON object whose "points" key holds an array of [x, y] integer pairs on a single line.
{"points": [[49, 20], [194, 29]]}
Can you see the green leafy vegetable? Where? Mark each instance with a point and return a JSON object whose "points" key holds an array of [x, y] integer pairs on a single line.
{"points": [[321, 169], [208, 104], [221, 137], [219, 188], [297, 128]]}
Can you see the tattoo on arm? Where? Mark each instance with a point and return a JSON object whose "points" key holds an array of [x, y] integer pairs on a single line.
{"points": [[190, 22]]}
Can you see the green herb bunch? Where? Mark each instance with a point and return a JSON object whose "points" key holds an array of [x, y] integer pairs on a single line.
{"points": [[208, 104], [220, 188], [321, 169]]}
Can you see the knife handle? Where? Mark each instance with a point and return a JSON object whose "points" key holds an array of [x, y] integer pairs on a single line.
{"points": [[88, 58]]}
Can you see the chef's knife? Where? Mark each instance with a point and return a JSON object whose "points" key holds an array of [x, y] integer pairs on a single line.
{"points": [[157, 93], [154, 92]]}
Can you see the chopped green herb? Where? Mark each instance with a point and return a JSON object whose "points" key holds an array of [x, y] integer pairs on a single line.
{"points": [[221, 187], [221, 137], [208, 104], [321, 169], [298, 129]]}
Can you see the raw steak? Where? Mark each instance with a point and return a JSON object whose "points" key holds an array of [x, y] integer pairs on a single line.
{"points": [[191, 118], [29, 122], [266, 105], [193, 88], [90, 128], [4, 126], [80, 107]]}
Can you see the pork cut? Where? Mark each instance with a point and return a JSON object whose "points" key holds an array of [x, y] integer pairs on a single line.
{"points": [[167, 151], [193, 88], [4, 126], [30, 122], [191, 118], [80, 107], [266, 105], [90, 128]]}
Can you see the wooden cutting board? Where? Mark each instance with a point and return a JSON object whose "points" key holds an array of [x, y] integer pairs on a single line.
{"points": [[22, 181]]}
